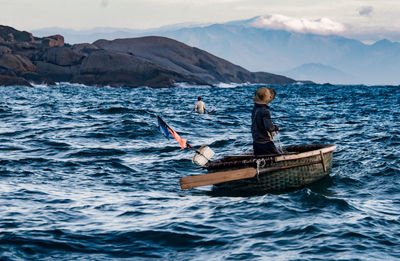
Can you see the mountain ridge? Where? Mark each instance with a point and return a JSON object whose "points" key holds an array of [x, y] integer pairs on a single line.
{"points": [[276, 51]]}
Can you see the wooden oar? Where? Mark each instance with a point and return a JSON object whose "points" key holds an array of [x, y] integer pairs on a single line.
{"points": [[216, 177], [224, 176]]}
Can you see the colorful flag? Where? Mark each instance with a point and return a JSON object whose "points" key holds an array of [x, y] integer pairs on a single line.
{"points": [[165, 130], [163, 127], [181, 141]]}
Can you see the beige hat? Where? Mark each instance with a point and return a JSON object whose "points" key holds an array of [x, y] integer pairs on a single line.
{"points": [[264, 95]]}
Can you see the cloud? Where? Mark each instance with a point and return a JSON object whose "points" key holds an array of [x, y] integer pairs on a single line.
{"points": [[203, 2], [302, 25], [365, 10]]}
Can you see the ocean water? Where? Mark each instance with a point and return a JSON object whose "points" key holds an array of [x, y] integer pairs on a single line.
{"points": [[86, 175]]}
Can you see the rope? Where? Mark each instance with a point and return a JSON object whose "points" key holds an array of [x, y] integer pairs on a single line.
{"points": [[278, 141], [260, 164]]}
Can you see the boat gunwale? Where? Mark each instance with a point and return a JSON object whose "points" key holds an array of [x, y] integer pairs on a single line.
{"points": [[306, 154], [236, 160]]}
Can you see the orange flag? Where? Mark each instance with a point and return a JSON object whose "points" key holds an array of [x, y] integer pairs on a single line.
{"points": [[181, 141]]}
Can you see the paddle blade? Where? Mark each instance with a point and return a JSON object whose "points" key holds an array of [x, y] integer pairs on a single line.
{"points": [[216, 177]]}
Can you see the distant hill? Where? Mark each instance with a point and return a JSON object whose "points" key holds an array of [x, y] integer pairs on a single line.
{"points": [[279, 50], [146, 61], [319, 73]]}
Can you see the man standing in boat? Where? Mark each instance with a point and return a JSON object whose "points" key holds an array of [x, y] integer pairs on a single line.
{"points": [[262, 128], [200, 107]]}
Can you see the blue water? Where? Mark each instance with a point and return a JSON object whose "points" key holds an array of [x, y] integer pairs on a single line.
{"points": [[86, 175]]}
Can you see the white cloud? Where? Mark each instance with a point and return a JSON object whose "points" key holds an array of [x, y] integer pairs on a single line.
{"points": [[317, 26]]}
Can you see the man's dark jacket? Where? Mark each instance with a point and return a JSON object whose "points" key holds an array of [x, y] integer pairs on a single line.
{"points": [[261, 124]]}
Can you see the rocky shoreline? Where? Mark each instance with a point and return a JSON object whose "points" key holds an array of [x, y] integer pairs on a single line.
{"points": [[147, 61]]}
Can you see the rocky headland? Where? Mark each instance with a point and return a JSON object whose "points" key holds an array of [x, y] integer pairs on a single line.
{"points": [[147, 61]]}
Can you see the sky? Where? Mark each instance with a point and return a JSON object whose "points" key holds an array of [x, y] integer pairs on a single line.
{"points": [[366, 18]]}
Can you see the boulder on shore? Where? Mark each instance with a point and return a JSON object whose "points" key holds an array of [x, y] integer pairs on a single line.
{"points": [[17, 63], [6, 80]]}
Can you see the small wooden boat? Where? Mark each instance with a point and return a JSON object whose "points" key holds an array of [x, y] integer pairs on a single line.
{"points": [[299, 166]]}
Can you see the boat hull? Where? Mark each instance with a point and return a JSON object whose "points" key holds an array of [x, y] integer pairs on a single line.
{"points": [[304, 165]]}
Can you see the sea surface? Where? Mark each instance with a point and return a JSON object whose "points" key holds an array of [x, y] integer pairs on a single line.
{"points": [[85, 174]]}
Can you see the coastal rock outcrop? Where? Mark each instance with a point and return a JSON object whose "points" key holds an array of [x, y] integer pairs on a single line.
{"points": [[147, 61], [120, 69], [53, 41], [188, 63]]}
